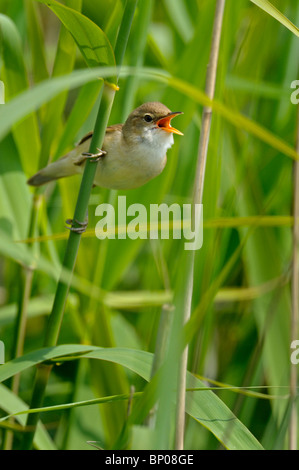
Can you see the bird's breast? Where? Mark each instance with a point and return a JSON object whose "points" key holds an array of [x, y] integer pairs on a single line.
{"points": [[130, 165]]}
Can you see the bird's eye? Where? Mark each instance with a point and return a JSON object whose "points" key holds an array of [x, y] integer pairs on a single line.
{"points": [[148, 118]]}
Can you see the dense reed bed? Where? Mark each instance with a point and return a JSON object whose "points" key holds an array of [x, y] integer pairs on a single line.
{"points": [[135, 342]]}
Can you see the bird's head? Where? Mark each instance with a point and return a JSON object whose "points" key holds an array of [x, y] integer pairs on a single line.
{"points": [[151, 122]]}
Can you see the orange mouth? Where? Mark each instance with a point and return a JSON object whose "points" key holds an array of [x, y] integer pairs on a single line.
{"points": [[164, 123]]}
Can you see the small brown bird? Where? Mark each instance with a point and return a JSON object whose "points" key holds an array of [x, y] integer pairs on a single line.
{"points": [[133, 153]]}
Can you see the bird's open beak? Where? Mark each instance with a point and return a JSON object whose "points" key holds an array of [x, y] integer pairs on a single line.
{"points": [[164, 123]]}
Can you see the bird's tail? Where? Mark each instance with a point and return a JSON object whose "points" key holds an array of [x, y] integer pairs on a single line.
{"points": [[59, 169]]}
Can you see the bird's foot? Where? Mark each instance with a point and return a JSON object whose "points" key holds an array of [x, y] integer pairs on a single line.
{"points": [[94, 157], [82, 225]]}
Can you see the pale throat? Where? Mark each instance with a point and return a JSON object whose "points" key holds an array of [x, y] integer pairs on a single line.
{"points": [[154, 143]]}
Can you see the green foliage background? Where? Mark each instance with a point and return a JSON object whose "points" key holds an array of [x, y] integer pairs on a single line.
{"points": [[239, 333]]}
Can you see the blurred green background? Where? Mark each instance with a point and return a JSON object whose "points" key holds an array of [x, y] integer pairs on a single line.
{"points": [[242, 279]]}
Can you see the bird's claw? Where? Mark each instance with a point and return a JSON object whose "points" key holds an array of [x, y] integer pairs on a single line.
{"points": [[95, 157], [82, 226]]}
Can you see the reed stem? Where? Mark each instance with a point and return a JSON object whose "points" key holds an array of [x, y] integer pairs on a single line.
{"points": [[197, 199], [69, 261]]}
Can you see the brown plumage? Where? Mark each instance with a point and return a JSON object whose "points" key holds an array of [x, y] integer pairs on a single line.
{"points": [[134, 152]]}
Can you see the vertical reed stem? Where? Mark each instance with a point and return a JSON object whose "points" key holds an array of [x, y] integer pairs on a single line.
{"points": [[56, 316], [69, 262], [26, 279], [197, 199]]}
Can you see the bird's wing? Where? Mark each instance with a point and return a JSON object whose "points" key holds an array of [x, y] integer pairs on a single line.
{"points": [[86, 137], [115, 127], [80, 157]]}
